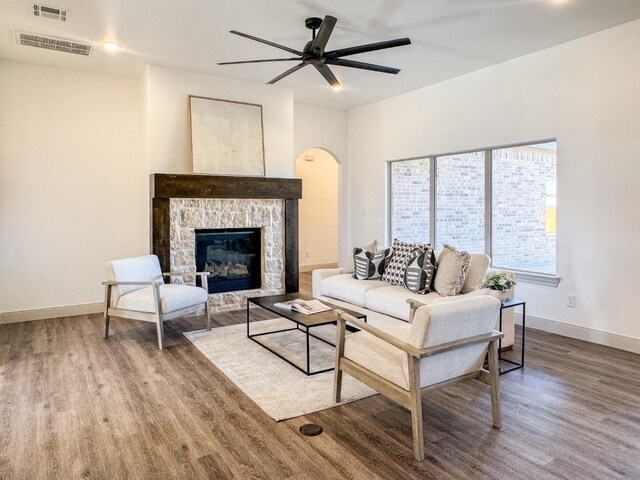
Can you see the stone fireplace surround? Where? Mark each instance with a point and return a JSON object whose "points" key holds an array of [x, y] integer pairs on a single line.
{"points": [[183, 203]]}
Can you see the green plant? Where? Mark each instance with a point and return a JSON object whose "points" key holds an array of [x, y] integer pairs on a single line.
{"points": [[498, 281]]}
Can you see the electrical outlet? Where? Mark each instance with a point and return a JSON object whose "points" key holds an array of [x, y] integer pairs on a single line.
{"points": [[307, 253], [571, 301]]}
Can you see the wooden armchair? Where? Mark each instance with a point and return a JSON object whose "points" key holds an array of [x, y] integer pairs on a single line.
{"points": [[136, 290], [446, 344]]}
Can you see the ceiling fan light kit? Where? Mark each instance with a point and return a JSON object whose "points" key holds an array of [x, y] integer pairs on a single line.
{"points": [[314, 52]]}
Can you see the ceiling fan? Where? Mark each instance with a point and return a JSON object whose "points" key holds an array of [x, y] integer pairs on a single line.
{"points": [[314, 53]]}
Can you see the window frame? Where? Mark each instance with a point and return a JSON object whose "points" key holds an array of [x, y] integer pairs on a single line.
{"points": [[527, 276]]}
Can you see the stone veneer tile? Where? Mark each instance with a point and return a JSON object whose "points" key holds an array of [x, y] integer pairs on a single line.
{"points": [[189, 214]]}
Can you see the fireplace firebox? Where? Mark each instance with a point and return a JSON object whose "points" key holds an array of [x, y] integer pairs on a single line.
{"points": [[232, 256]]}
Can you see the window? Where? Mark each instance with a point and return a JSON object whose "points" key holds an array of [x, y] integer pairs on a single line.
{"points": [[410, 200], [499, 201], [524, 208], [460, 201]]}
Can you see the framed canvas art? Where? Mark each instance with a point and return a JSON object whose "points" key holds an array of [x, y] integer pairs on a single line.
{"points": [[226, 137]]}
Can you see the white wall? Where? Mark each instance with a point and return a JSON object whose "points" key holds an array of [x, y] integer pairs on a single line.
{"points": [[326, 128], [169, 142], [318, 210], [73, 183], [585, 93]]}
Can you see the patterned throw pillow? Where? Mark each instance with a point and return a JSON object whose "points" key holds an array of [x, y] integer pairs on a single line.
{"points": [[402, 253], [453, 266], [347, 265], [420, 271], [369, 265]]}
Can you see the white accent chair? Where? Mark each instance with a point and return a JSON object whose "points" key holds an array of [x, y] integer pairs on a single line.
{"points": [[136, 290], [444, 343]]}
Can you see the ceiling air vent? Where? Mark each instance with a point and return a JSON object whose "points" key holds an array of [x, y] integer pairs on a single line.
{"points": [[53, 43], [47, 11]]}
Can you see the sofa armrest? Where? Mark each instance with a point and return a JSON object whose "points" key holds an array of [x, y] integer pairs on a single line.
{"points": [[317, 276]]}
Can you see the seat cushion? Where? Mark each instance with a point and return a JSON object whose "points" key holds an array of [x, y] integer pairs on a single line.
{"points": [[345, 287], [379, 357], [172, 297], [392, 300]]}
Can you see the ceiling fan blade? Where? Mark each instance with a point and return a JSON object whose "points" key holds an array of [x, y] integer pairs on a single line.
{"points": [[328, 75], [261, 61], [370, 47], [324, 32], [266, 42], [362, 65], [287, 73]]}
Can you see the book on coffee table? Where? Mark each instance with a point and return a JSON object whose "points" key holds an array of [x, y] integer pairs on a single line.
{"points": [[308, 307]]}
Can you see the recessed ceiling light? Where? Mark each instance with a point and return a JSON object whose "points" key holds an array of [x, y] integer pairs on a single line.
{"points": [[111, 46]]}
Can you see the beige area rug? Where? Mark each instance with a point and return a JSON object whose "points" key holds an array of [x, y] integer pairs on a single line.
{"points": [[278, 388]]}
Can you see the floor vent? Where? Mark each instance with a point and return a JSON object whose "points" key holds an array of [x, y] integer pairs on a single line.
{"points": [[54, 13], [53, 43]]}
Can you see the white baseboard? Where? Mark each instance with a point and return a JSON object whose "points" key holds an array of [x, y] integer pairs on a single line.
{"points": [[52, 312], [614, 340], [316, 266]]}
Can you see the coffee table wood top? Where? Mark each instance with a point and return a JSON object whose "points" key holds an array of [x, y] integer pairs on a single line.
{"points": [[312, 320]]}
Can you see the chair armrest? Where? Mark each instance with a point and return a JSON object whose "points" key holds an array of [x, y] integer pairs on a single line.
{"points": [[463, 342], [376, 332], [410, 349], [413, 306], [115, 282], [203, 276], [182, 274]]}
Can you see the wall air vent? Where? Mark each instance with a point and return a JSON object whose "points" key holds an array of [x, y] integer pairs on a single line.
{"points": [[46, 11], [53, 43]]}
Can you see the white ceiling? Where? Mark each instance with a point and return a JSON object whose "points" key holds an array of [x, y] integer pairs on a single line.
{"points": [[449, 37]]}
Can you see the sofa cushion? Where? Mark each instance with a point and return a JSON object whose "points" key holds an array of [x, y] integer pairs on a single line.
{"points": [[172, 297], [451, 272], [392, 300], [348, 266], [370, 265], [378, 356], [420, 271], [478, 267], [345, 287], [402, 253]]}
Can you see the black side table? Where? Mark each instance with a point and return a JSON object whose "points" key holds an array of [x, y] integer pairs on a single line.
{"points": [[512, 303]]}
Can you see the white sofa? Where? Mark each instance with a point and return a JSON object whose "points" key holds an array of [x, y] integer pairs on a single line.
{"points": [[386, 305]]}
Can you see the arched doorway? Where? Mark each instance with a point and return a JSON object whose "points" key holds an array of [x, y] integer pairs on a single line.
{"points": [[319, 171]]}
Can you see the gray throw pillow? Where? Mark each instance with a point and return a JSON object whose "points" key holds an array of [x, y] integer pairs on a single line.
{"points": [[420, 271], [369, 265]]}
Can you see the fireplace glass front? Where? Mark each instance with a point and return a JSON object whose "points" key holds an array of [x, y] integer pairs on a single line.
{"points": [[232, 256]]}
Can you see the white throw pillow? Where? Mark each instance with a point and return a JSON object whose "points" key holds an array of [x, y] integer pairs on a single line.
{"points": [[477, 271], [451, 271]]}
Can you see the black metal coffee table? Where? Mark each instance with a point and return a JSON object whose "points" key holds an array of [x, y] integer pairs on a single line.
{"points": [[302, 322]]}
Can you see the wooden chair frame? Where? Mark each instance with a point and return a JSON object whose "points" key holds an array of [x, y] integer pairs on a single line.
{"points": [[412, 399], [156, 317]]}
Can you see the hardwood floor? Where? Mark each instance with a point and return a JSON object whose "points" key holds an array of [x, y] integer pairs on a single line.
{"points": [[73, 405]]}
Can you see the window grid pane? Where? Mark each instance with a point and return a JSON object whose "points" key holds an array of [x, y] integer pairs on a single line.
{"points": [[460, 201], [524, 208], [410, 181]]}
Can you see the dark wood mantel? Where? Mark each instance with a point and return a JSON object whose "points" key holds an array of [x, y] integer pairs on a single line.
{"points": [[167, 186]]}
